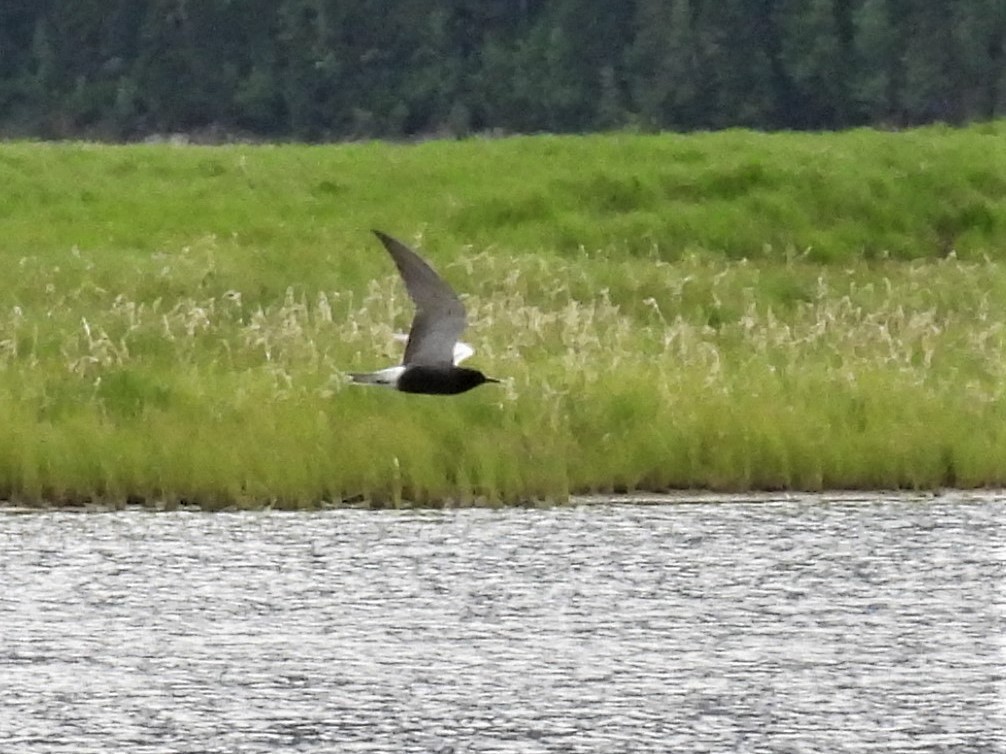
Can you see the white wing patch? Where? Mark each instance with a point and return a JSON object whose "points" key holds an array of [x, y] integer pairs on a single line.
{"points": [[461, 352]]}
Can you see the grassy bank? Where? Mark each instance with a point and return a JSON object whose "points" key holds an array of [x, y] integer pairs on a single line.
{"points": [[730, 311]]}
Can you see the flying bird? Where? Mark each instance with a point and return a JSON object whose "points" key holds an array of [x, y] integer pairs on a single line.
{"points": [[432, 350]]}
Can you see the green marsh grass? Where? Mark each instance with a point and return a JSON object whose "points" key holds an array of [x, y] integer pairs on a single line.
{"points": [[728, 311]]}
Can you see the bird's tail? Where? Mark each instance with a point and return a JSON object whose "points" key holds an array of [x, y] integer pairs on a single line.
{"points": [[384, 377]]}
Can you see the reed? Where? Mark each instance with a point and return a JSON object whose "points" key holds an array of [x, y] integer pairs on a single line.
{"points": [[178, 322]]}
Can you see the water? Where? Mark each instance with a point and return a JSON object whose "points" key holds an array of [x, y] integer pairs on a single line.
{"points": [[790, 626]]}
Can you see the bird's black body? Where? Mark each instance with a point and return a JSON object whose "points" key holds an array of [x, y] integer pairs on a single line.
{"points": [[440, 380], [429, 364]]}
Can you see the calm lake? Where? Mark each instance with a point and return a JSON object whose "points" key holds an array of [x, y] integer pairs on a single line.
{"points": [[796, 624]]}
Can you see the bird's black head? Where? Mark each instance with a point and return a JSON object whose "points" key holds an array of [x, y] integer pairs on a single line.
{"points": [[478, 378], [464, 379]]}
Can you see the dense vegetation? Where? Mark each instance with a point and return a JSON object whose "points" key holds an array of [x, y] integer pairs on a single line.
{"points": [[331, 69], [729, 311]]}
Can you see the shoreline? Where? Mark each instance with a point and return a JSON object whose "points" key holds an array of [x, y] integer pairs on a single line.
{"points": [[637, 498]]}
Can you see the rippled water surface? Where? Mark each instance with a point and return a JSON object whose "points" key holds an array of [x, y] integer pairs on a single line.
{"points": [[803, 625]]}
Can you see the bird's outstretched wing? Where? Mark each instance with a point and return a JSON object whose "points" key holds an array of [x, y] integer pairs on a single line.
{"points": [[462, 350], [440, 316]]}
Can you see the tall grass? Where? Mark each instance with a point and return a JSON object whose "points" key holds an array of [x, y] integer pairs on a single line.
{"points": [[834, 197], [666, 312]]}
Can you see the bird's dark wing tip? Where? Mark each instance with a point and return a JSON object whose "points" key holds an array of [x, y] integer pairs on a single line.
{"points": [[390, 243]]}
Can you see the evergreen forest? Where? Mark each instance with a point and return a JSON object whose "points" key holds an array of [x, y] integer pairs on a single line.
{"points": [[322, 70]]}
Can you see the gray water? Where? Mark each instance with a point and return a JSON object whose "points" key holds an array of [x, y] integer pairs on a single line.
{"points": [[802, 625]]}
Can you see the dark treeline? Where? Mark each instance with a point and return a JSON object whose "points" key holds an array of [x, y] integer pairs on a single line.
{"points": [[331, 69]]}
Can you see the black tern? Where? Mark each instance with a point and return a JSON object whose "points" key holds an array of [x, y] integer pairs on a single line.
{"points": [[432, 350]]}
